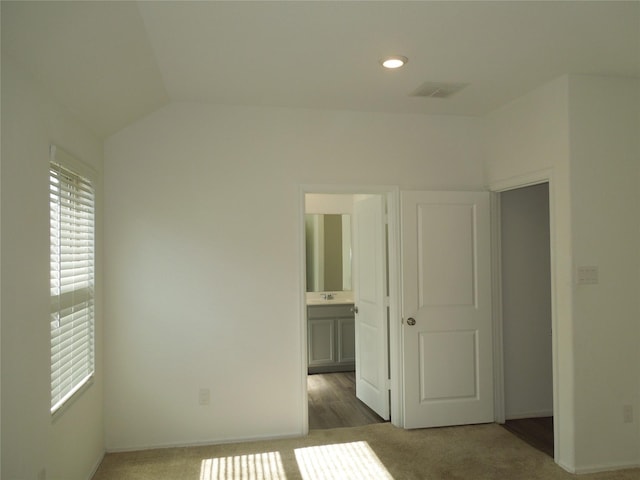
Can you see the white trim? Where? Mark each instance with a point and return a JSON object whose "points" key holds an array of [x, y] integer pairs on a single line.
{"points": [[62, 157], [347, 189], [566, 467], [63, 405], [395, 318], [604, 467], [520, 181], [96, 465], [538, 414], [203, 443], [554, 318], [302, 280], [498, 326], [392, 195]]}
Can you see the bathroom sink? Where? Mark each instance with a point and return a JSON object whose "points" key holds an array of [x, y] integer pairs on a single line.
{"points": [[322, 298]]}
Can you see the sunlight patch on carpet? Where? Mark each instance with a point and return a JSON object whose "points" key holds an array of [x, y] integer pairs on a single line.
{"points": [[258, 466], [342, 461]]}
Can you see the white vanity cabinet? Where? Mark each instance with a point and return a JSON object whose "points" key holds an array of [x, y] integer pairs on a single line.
{"points": [[331, 338]]}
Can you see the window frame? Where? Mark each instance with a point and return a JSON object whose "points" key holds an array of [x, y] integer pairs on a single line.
{"points": [[78, 171]]}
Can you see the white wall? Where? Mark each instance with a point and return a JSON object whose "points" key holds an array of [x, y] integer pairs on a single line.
{"points": [[584, 130], [530, 138], [605, 197], [526, 302], [70, 447], [203, 284], [328, 203]]}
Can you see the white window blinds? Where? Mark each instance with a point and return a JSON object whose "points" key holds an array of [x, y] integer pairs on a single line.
{"points": [[71, 201]]}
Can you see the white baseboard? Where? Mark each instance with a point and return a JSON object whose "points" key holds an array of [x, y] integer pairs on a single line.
{"points": [[565, 467], [541, 413], [204, 443], [606, 467], [96, 466]]}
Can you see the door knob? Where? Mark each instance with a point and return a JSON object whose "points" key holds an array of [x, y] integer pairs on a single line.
{"points": [[354, 309], [411, 321]]}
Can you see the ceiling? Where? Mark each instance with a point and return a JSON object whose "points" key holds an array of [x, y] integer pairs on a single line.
{"points": [[112, 62]]}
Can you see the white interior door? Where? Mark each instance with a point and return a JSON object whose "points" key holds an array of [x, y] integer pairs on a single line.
{"points": [[370, 287], [446, 305]]}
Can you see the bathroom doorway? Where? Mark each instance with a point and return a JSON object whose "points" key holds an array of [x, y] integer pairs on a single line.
{"points": [[333, 403], [330, 315]]}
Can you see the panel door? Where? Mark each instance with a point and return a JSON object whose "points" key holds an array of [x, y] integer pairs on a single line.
{"points": [[446, 301], [370, 280]]}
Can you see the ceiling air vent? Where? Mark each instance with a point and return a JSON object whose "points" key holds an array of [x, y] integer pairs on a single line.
{"points": [[438, 89]]}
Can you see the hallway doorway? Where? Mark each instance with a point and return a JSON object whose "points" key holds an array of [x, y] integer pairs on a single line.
{"points": [[527, 314]]}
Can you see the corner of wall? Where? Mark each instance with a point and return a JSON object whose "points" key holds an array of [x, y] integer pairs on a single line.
{"points": [[31, 442], [604, 167], [527, 138]]}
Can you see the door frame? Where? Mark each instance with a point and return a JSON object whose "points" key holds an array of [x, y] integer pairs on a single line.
{"points": [[392, 196], [534, 178]]}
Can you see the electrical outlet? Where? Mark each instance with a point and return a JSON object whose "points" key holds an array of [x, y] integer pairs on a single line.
{"points": [[204, 396], [627, 414]]}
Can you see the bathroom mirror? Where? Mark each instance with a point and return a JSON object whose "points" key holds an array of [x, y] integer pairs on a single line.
{"points": [[328, 252]]}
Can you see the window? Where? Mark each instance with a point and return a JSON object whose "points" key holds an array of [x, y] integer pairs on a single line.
{"points": [[72, 216]]}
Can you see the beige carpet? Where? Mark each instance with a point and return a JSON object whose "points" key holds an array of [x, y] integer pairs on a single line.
{"points": [[373, 452]]}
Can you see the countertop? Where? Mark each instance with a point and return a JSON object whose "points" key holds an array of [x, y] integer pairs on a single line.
{"points": [[339, 298], [329, 302]]}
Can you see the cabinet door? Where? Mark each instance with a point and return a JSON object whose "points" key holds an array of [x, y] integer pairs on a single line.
{"points": [[321, 334], [346, 340]]}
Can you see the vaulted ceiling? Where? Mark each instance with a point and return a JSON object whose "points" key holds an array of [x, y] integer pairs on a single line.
{"points": [[112, 62]]}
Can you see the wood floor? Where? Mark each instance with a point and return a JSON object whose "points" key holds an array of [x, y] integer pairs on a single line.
{"points": [[333, 402], [537, 432]]}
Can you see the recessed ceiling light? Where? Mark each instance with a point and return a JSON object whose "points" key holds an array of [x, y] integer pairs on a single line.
{"points": [[394, 61]]}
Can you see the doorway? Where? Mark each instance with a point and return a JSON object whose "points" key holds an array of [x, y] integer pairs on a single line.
{"points": [[527, 314], [331, 364], [333, 403]]}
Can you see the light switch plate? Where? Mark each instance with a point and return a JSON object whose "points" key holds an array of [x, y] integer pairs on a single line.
{"points": [[587, 275], [627, 414], [204, 396]]}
